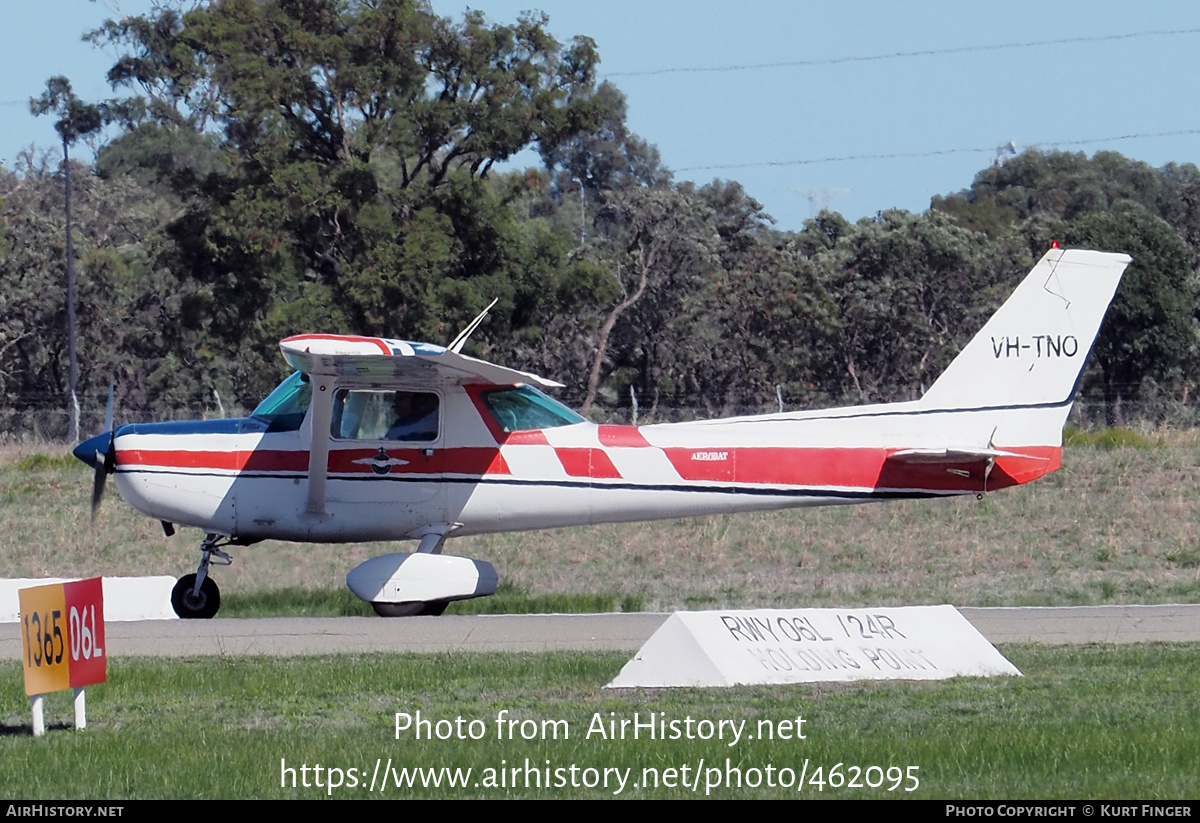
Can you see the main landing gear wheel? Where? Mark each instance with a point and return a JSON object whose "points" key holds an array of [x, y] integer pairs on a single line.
{"points": [[411, 608], [200, 606]]}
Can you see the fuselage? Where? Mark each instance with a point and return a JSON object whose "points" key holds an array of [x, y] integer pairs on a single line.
{"points": [[488, 468]]}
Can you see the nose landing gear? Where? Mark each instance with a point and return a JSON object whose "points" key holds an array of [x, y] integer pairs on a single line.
{"points": [[196, 596]]}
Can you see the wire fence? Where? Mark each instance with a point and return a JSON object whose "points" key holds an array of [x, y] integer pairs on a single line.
{"points": [[52, 426]]}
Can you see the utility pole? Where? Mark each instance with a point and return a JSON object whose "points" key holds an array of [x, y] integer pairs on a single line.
{"points": [[75, 119], [72, 359]]}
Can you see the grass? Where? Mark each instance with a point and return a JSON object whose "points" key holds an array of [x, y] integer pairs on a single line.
{"points": [[1110, 438], [1118, 524], [1094, 722], [508, 599]]}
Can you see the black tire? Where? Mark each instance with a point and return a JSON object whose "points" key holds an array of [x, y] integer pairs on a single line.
{"points": [[201, 607], [411, 608]]}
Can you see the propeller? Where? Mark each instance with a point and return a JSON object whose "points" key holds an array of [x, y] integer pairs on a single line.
{"points": [[100, 452]]}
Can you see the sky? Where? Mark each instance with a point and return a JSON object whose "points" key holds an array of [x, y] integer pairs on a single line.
{"points": [[857, 106]]}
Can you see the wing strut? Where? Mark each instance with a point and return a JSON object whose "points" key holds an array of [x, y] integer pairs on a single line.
{"points": [[432, 537], [318, 447]]}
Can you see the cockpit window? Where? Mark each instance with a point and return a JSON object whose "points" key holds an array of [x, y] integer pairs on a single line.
{"points": [[284, 408], [523, 408]]}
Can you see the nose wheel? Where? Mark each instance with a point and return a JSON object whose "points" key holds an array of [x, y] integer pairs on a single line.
{"points": [[196, 596], [192, 606]]}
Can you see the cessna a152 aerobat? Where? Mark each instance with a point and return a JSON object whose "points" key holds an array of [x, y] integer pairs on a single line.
{"points": [[373, 439]]}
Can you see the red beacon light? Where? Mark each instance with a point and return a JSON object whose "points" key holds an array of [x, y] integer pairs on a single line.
{"points": [[1054, 244]]}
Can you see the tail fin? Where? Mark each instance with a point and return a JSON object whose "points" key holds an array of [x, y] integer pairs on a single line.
{"points": [[1032, 351]]}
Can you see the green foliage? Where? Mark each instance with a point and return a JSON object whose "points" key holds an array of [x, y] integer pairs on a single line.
{"points": [[1148, 345], [1109, 439], [1148, 333], [75, 118], [1068, 185], [38, 462], [124, 301], [980, 213], [606, 158], [909, 291], [660, 244], [160, 158]]}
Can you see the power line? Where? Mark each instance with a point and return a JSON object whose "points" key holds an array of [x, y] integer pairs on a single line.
{"points": [[832, 61], [934, 153]]}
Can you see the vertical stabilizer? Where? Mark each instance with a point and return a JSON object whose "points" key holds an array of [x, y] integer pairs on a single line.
{"points": [[1033, 349]]}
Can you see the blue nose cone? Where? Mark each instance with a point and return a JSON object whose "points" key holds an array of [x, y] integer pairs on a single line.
{"points": [[87, 450]]}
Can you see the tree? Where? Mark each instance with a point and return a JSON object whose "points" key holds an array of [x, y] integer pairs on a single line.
{"points": [[910, 290], [127, 307], [662, 242], [755, 321], [1053, 187], [350, 184], [1148, 333], [608, 157]]}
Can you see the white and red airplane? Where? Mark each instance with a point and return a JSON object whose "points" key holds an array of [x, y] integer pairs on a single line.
{"points": [[375, 439]]}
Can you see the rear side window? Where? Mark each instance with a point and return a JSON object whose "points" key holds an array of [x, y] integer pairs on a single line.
{"points": [[524, 408]]}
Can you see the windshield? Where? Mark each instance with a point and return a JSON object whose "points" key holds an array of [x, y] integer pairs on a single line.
{"points": [[284, 408], [523, 408]]}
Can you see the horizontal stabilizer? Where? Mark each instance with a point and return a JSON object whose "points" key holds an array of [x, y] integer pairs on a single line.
{"points": [[952, 457]]}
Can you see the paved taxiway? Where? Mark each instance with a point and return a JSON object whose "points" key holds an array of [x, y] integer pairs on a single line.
{"points": [[289, 636]]}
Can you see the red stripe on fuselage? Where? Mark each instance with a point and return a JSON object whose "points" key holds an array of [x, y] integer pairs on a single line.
{"points": [[587, 463], [475, 462], [535, 437], [470, 461], [855, 468], [622, 436], [705, 464], [863, 468], [266, 460]]}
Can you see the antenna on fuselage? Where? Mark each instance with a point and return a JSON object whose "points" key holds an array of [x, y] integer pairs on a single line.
{"points": [[458, 342]]}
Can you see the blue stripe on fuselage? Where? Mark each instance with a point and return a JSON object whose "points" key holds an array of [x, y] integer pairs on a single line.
{"points": [[230, 425]]}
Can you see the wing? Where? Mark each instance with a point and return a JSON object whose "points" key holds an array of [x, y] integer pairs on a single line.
{"points": [[337, 355], [327, 356]]}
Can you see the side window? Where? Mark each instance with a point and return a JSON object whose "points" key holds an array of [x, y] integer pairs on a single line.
{"points": [[524, 408], [385, 415]]}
